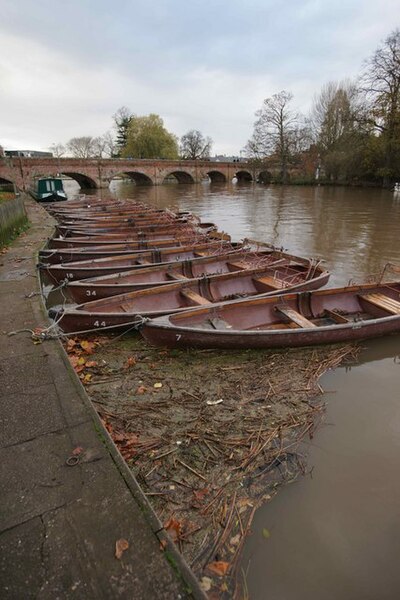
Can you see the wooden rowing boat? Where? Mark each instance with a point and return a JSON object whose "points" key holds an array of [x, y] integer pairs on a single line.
{"points": [[123, 309], [119, 222], [320, 317], [90, 203], [149, 238], [286, 268], [103, 266], [130, 230], [105, 211], [66, 255], [84, 216]]}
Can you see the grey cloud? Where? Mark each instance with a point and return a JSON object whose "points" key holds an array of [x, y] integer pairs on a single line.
{"points": [[199, 64]]}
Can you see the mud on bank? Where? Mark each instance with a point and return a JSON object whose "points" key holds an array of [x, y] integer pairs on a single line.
{"points": [[209, 435]]}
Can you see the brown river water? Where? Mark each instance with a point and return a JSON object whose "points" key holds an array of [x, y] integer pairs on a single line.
{"points": [[334, 534]]}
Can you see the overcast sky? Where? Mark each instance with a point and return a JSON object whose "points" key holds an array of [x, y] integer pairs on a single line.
{"points": [[66, 67]]}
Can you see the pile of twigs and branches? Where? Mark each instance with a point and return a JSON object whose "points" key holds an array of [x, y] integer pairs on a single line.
{"points": [[209, 435]]}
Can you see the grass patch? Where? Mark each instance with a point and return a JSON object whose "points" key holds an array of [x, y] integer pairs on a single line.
{"points": [[9, 234]]}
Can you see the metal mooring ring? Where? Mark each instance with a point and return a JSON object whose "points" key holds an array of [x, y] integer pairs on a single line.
{"points": [[72, 461]]}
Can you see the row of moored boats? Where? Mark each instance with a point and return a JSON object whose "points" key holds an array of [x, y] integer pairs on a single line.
{"points": [[124, 264]]}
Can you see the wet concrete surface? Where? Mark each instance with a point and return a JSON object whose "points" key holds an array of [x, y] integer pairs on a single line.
{"points": [[59, 522]]}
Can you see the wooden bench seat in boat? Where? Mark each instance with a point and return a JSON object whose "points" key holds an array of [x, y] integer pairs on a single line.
{"points": [[336, 316], [194, 297], [382, 301], [175, 275], [218, 323], [270, 281], [237, 265], [294, 316]]}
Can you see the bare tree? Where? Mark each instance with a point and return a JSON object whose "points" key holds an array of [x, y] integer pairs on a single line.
{"points": [[58, 150], [194, 145], [82, 147], [380, 81], [333, 112], [109, 144], [336, 127], [104, 145], [275, 131]]}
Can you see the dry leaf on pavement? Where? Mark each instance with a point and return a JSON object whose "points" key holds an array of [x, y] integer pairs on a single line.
{"points": [[120, 546]]}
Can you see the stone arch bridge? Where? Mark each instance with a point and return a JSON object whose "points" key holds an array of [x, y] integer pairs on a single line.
{"points": [[98, 173]]}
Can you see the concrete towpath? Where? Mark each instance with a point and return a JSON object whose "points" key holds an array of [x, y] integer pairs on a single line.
{"points": [[61, 514]]}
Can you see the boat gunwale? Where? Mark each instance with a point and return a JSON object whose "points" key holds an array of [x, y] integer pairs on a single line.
{"points": [[163, 322]]}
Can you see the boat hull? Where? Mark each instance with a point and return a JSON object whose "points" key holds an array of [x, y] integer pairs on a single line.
{"points": [[83, 291], [65, 256], [195, 329], [159, 336], [50, 197], [75, 271]]}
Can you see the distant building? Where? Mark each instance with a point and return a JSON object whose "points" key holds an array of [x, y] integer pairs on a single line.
{"points": [[224, 158], [29, 153], [1, 151]]}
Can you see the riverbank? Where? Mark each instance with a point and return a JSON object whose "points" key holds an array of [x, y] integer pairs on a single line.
{"points": [[74, 522]]}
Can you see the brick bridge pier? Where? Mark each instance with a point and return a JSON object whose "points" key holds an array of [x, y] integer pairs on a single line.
{"points": [[98, 173]]}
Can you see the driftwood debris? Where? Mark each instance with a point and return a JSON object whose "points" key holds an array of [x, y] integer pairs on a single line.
{"points": [[217, 439]]}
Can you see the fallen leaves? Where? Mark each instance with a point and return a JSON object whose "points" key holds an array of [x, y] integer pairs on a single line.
{"points": [[218, 567], [91, 363], [121, 546], [71, 344], [87, 346], [125, 441], [174, 528], [198, 497], [77, 351], [130, 362]]}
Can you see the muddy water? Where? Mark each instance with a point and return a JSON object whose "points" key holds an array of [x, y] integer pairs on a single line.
{"points": [[336, 534]]}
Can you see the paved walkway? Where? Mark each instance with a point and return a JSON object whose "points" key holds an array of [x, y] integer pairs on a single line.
{"points": [[59, 523]]}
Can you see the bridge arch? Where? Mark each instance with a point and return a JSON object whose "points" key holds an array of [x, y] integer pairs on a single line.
{"points": [[180, 176], [84, 181], [243, 176], [139, 178], [264, 177], [217, 177], [4, 181]]}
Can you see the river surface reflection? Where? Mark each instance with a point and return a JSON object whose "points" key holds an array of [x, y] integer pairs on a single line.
{"points": [[335, 535]]}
